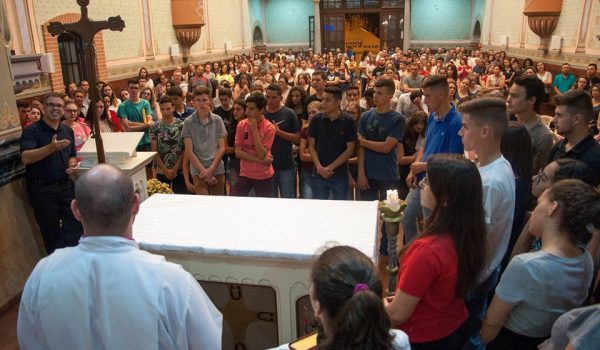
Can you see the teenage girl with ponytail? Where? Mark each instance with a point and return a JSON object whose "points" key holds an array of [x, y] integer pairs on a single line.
{"points": [[346, 295], [538, 287]]}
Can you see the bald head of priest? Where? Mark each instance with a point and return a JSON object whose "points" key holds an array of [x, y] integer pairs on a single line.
{"points": [[105, 202], [106, 292]]}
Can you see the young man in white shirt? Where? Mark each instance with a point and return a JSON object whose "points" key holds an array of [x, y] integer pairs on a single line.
{"points": [[484, 122]]}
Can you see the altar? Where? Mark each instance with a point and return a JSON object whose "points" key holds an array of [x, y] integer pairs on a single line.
{"points": [[120, 152], [253, 255]]}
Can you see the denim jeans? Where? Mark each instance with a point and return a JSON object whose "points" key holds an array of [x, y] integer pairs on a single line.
{"points": [[336, 186], [411, 213], [306, 190], [476, 302], [233, 174], [284, 183]]}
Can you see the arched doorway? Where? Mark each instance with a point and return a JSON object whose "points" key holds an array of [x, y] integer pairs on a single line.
{"points": [[477, 32], [72, 60], [257, 37]]}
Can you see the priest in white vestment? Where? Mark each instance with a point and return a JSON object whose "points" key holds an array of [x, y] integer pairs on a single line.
{"points": [[106, 293]]}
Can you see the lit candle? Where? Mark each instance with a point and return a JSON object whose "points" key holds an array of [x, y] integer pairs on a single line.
{"points": [[392, 201]]}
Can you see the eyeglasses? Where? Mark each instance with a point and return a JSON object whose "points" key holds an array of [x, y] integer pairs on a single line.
{"points": [[540, 177], [71, 110], [423, 183], [54, 105]]}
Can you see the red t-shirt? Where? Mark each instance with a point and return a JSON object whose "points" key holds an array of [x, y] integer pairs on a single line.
{"points": [[245, 139], [429, 270]]}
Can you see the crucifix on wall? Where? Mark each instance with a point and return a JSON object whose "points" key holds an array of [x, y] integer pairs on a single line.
{"points": [[86, 29]]}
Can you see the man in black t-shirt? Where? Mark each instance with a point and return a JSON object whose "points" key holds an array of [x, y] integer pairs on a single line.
{"points": [[380, 69], [331, 142], [225, 111], [287, 132], [48, 152], [574, 111], [319, 81], [333, 77]]}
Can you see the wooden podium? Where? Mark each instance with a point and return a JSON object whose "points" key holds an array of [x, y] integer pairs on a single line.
{"points": [[120, 152], [253, 256]]}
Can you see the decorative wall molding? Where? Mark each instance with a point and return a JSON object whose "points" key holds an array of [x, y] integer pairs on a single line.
{"points": [[577, 60], [129, 70]]}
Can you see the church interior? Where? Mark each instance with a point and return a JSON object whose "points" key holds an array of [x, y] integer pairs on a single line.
{"points": [[258, 275]]}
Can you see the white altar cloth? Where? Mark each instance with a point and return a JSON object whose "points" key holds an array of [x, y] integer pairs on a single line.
{"points": [[254, 227], [254, 241]]}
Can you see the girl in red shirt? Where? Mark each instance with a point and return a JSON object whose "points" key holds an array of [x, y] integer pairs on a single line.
{"points": [[444, 261]]}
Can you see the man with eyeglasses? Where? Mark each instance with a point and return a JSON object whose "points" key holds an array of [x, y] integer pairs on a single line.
{"points": [[135, 114], [48, 152]]}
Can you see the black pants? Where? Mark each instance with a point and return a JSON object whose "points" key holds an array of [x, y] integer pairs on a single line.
{"points": [[454, 341], [508, 339], [177, 184], [51, 202]]}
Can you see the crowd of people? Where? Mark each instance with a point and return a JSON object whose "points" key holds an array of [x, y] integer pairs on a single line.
{"points": [[457, 132]]}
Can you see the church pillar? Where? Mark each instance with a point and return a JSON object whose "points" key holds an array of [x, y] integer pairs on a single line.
{"points": [[317, 48], [19, 235], [406, 30]]}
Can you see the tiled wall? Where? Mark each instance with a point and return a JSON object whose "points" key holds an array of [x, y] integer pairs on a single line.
{"points": [[287, 21], [440, 20]]}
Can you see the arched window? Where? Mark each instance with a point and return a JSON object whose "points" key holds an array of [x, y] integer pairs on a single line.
{"points": [[257, 37], [70, 48], [477, 32]]}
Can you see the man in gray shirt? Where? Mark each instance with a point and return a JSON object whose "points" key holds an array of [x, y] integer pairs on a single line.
{"points": [[204, 139], [413, 81], [524, 98]]}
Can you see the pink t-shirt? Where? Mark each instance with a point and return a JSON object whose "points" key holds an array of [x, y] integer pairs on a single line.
{"points": [[81, 132], [245, 140]]}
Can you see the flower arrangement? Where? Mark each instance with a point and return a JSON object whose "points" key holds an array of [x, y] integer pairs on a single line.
{"points": [[155, 186]]}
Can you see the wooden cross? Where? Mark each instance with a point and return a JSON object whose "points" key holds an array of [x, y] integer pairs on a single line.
{"points": [[86, 29]]}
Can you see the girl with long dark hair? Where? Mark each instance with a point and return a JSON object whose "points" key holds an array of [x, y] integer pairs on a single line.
{"points": [[516, 147], [296, 100], [445, 260], [413, 141]]}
